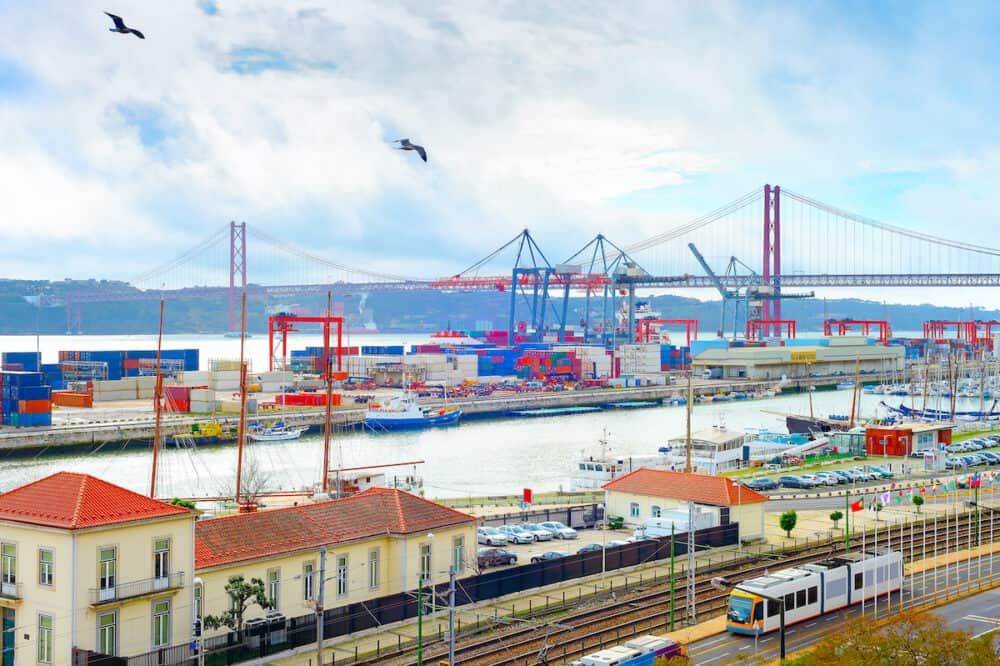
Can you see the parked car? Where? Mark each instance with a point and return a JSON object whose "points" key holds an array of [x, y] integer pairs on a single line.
{"points": [[615, 543], [994, 458], [516, 534], [491, 536], [816, 481], [866, 474], [974, 446], [550, 555], [558, 530], [955, 463], [762, 484], [844, 474], [825, 478], [795, 482], [884, 473], [537, 532], [589, 548], [492, 557]]}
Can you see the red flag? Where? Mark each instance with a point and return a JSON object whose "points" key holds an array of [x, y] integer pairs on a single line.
{"points": [[857, 506]]}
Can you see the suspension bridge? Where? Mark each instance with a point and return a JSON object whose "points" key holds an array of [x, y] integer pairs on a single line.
{"points": [[783, 239]]}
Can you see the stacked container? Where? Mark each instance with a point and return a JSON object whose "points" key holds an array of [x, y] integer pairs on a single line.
{"points": [[27, 402], [23, 361]]}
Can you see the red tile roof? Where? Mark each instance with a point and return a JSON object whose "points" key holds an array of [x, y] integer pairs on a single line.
{"points": [[74, 501], [699, 488], [373, 512]]}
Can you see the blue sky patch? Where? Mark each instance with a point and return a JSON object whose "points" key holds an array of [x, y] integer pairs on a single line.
{"points": [[209, 7], [252, 60], [15, 81], [150, 122]]}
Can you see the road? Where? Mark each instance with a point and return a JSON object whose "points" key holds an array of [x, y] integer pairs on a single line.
{"points": [[978, 614]]}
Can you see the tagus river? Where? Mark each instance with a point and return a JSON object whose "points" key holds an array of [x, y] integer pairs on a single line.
{"points": [[478, 457]]}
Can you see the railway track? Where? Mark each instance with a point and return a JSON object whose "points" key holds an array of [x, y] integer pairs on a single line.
{"points": [[645, 610]]}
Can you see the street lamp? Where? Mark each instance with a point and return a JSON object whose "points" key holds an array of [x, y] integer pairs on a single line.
{"points": [[720, 583]]}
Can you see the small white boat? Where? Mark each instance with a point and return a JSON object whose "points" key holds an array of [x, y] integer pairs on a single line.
{"points": [[275, 432]]}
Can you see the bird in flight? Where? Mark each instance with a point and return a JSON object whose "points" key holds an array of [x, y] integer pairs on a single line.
{"points": [[120, 27], [404, 144]]}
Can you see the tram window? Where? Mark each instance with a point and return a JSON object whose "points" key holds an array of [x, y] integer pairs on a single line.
{"points": [[789, 601], [758, 610], [800, 598], [858, 580], [772, 609], [813, 594]]}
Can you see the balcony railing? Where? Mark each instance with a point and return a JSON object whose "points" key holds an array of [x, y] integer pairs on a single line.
{"points": [[10, 590], [135, 588]]}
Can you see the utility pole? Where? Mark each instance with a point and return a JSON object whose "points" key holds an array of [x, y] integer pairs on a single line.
{"points": [[451, 615], [690, 406], [420, 620], [692, 614], [672, 585], [329, 400], [319, 606]]}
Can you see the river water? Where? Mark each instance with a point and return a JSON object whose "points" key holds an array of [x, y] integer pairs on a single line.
{"points": [[478, 457]]}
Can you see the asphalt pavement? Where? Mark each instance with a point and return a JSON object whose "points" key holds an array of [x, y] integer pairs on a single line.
{"points": [[978, 614]]}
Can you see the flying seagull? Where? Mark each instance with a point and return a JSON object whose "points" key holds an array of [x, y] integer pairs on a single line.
{"points": [[404, 144], [120, 27]]}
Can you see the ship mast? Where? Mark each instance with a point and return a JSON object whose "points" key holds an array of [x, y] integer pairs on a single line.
{"points": [[243, 398], [157, 393]]}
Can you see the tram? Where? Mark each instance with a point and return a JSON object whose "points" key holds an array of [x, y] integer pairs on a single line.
{"points": [[810, 590]]}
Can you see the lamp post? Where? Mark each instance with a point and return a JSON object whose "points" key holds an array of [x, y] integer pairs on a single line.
{"points": [[724, 584], [420, 619]]}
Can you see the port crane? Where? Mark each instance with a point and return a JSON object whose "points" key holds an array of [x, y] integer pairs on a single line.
{"points": [[749, 293]]}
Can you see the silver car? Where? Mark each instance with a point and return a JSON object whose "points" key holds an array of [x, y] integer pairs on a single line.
{"points": [[517, 534], [537, 532], [491, 536], [558, 529]]}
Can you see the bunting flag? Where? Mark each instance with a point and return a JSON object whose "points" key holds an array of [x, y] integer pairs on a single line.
{"points": [[975, 481], [857, 506], [923, 490], [885, 498], [951, 485], [899, 497], [892, 486]]}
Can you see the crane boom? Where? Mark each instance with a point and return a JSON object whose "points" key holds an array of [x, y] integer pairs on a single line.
{"points": [[711, 274]]}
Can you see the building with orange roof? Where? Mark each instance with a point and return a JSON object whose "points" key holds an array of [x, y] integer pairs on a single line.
{"points": [[378, 542], [88, 565], [646, 496]]}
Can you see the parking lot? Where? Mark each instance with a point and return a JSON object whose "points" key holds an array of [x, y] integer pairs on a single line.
{"points": [[584, 537]]}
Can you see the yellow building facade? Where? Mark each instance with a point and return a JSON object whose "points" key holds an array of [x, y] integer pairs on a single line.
{"points": [[87, 565]]}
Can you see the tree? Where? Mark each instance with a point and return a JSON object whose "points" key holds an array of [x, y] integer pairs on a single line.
{"points": [[876, 507], [787, 522], [187, 504], [241, 596], [918, 501], [910, 638], [835, 517], [254, 480]]}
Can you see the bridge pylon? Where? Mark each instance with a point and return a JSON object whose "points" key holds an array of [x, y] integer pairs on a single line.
{"points": [[237, 267]]}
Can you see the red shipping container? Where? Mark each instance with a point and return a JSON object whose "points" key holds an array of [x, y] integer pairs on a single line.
{"points": [[34, 406], [177, 406]]}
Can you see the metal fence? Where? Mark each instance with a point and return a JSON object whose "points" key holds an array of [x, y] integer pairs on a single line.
{"points": [[578, 517], [270, 637]]}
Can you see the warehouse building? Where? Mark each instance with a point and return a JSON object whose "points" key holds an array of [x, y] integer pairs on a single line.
{"points": [[800, 359]]}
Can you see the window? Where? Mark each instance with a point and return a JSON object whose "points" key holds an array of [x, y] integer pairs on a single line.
{"points": [[813, 594], [161, 560], [199, 594], [341, 575], [373, 568], [8, 567], [106, 572], [789, 601], [458, 553], [858, 580], [46, 569], [800, 598], [772, 609], [161, 623], [307, 580], [45, 639], [107, 633], [655, 512], [633, 509], [425, 561], [273, 580]]}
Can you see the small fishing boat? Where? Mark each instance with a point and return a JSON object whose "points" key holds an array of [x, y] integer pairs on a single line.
{"points": [[205, 434], [274, 432], [403, 412]]}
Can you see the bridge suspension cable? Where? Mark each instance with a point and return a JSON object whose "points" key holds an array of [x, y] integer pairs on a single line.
{"points": [[883, 226], [302, 254], [184, 258]]}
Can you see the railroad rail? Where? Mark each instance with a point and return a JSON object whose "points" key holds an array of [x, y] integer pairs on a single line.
{"points": [[531, 639]]}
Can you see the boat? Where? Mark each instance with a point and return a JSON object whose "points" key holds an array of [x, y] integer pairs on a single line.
{"points": [[590, 472], [453, 337], [942, 415], [402, 412], [203, 434], [274, 432], [841, 386], [235, 334]]}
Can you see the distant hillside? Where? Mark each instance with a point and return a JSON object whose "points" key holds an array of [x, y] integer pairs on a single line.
{"points": [[392, 311]]}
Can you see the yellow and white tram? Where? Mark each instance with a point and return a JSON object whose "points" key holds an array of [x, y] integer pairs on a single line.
{"points": [[813, 589]]}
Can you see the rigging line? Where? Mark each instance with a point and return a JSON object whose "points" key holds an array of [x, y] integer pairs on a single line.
{"points": [[291, 249], [485, 260], [957, 245], [696, 223], [183, 258]]}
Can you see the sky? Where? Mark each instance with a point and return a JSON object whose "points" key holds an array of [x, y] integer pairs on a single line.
{"points": [[570, 119]]}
